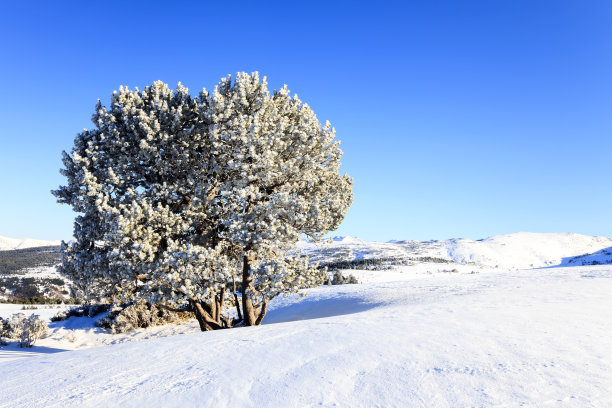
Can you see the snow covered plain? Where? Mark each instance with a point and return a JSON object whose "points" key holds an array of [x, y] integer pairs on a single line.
{"points": [[415, 335]]}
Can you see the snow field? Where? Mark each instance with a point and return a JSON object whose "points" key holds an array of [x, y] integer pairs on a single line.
{"points": [[495, 338]]}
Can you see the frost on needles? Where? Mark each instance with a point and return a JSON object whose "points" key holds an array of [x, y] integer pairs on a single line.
{"points": [[190, 201]]}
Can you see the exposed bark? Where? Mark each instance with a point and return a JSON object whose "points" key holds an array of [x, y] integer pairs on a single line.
{"points": [[226, 321], [207, 323], [213, 309], [262, 313], [236, 301], [248, 310], [220, 300]]}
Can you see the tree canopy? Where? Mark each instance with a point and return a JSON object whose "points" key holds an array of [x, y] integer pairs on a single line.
{"points": [[182, 199]]}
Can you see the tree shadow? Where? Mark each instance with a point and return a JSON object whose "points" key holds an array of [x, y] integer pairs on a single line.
{"points": [[316, 308], [12, 351], [82, 322]]}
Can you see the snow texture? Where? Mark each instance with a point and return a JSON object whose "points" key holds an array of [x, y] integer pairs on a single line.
{"points": [[423, 334]]}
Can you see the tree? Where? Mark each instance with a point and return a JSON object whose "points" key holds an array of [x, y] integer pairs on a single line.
{"points": [[182, 198]]}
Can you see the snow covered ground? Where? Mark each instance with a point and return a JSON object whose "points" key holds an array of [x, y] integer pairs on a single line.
{"points": [[414, 336]]}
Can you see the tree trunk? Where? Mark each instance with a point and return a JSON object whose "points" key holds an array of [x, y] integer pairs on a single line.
{"points": [[207, 323], [220, 300], [236, 301], [262, 313], [213, 309], [253, 315], [248, 310]]}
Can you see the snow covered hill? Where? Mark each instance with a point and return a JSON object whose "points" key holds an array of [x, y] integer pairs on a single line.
{"points": [[452, 323], [7, 244], [495, 338], [518, 250]]}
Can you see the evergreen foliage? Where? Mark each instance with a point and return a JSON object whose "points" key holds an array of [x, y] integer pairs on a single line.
{"points": [[180, 197], [139, 315], [34, 290]]}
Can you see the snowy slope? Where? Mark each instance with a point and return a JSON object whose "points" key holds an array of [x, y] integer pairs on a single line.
{"points": [[518, 250], [22, 243], [502, 338], [602, 257]]}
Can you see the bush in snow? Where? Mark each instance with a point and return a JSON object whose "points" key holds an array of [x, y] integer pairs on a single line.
{"points": [[140, 315], [33, 329], [25, 329], [3, 331], [88, 310], [180, 196], [15, 326], [340, 279]]}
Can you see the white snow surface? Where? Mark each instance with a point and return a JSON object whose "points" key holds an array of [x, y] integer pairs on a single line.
{"points": [[7, 244], [517, 250], [512, 320], [408, 337]]}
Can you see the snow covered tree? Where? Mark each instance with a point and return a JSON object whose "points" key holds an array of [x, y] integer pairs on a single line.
{"points": [[140, 181], [179, 198], [280, 179]]}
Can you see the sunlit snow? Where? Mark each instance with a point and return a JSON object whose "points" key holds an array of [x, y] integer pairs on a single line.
{"points": [[422, 334]]}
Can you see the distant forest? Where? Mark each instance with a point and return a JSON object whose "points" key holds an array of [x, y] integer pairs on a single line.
{"points": [[16, 260], [378, 263]]}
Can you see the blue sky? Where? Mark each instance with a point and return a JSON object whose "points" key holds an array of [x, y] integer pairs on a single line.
{"points": [[457, 119]]}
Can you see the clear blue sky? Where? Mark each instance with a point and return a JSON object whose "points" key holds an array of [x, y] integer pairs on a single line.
{"points": [[457, 118]]}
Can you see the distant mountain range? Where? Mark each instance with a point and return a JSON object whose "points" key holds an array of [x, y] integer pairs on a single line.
{"points": [[29, 257], [517, 250], [8, 244]]}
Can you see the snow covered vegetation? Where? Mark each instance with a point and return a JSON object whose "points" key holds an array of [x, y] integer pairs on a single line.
{"points": [[26, 329], [181, 198]]}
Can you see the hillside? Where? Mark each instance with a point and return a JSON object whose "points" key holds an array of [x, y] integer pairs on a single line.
{"points": [[518, 250], [438, 323], [30, 273], [7, 244], [494, 338]]}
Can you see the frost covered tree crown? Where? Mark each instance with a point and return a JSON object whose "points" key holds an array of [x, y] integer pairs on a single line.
{"points": [[177, 195]]}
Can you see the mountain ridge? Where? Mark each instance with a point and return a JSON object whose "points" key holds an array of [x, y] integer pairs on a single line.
{"points": [[9, 244], [516, 250]]}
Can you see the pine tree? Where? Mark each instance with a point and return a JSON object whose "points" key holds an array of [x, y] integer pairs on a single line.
{"points": [[280, 168], [179, 198]]}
